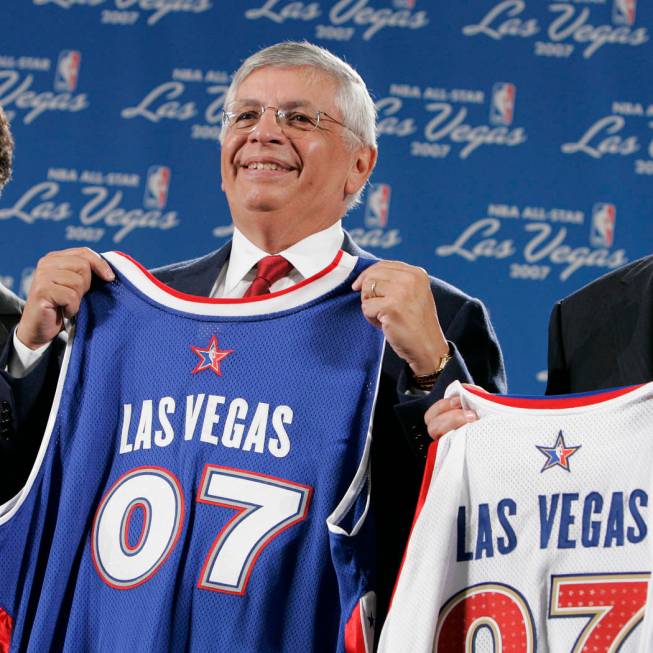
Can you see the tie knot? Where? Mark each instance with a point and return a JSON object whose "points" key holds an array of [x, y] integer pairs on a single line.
{"points": [[273, 268], [268, 270]]}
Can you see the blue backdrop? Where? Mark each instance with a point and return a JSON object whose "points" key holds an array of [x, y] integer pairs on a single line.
{"points": [[516, 141]]}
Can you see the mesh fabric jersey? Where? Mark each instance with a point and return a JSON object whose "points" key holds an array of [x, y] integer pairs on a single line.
{"points": [[532, 531], [203, 482]]}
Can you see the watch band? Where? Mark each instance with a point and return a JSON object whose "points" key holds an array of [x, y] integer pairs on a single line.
{"points": [[427, 381]]}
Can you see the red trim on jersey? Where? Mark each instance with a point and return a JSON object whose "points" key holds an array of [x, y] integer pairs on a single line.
{"points": [[423, 491], [354, 635], [144, 527], [560, 401], [6, 627], [233, 300]]}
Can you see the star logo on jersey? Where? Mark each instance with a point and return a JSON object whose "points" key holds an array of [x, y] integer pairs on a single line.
{"points": [[558, 455], [210, 356]]}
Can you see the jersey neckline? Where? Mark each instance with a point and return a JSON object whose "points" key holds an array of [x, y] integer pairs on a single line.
{"points": [[307, 290], [571, 402]]}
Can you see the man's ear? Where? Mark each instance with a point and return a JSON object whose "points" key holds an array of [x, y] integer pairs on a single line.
{"points": [[361, 168]]}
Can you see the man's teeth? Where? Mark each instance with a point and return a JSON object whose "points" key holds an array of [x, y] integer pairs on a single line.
{"points": [[264, 166]]}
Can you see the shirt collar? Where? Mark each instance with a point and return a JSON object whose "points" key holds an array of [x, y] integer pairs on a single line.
{"points": [[308, 256]]}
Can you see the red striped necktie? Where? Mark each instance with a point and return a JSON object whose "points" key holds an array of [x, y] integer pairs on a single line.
{"points": [[268, 270]]}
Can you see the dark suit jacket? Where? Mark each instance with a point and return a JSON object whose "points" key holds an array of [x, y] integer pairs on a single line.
{"points": [[399, 434], [24, 403], [602, 335], [10, 309]]}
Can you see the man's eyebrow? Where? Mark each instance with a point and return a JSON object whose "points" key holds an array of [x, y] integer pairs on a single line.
{"points": [[293, 104]]}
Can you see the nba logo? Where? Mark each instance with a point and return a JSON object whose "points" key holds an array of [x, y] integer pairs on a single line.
{"points": [[502, 107], [404, 4], [156, 187], [623, 12], [378, 205], [67, 73], [603, 221]]}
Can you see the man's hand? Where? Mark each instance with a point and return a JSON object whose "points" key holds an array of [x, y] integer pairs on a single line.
{"points": [[397, 298], [446, 415], [60, 281]]}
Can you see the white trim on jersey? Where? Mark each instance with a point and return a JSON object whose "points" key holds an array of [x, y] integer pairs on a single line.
{"points": [[301, 293], [361, 479]]}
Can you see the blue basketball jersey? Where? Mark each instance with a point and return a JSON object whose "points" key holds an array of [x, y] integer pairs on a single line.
{"points": [[203, 483]]}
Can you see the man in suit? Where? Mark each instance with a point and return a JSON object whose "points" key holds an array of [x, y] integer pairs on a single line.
{"points": [[298, 146], [601, 336], [10, 309], [22, 424], [10, 305]]}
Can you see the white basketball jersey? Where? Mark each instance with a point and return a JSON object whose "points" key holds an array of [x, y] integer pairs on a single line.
{"points": [[531, 532]]}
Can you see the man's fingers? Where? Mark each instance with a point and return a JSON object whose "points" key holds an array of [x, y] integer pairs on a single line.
{"points": [[397, 298], [98, 265], [81, 260], [441, 406], [79, 282], [67, 299], [372, 311], [387, 271], [358, 283], [60, 281], [102, 269], [446, 415], [450, 421]]}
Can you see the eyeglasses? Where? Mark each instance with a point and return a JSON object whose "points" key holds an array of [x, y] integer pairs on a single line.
{"points": [[244, 116]]}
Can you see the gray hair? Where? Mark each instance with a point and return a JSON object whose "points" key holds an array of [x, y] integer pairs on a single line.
{"points": [[6, 150], [352, 98]]}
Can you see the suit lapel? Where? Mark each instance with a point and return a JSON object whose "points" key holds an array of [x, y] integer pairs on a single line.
{"points": [[195, 277], [349, 246]]}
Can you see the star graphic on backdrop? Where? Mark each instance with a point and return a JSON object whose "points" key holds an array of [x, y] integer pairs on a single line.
{"points": [[210, 356], [559, 454]]}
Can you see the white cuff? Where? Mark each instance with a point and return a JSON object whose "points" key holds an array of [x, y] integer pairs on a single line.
{"points": [[23, 359]]}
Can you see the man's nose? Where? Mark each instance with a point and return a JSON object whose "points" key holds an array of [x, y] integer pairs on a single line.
{"points": [[267, 129]]}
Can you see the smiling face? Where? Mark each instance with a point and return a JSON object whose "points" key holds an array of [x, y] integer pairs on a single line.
{"points": [[285, 185]]}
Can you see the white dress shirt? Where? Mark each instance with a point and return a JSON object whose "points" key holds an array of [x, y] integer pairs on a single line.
{"points": [[308, 257]]}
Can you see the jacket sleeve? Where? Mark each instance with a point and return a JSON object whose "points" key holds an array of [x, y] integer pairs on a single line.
{"points": [[476, 358], [25, 405], [558, 380]]}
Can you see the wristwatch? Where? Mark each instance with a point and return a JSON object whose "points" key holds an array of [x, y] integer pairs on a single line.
{"points": [[427, 381]]}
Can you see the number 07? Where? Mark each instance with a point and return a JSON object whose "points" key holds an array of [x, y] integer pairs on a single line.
{"points": [[265, 505]]}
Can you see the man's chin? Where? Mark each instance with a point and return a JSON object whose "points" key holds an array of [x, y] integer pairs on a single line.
{"points": [[261, 205], [265, 203]]}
